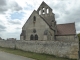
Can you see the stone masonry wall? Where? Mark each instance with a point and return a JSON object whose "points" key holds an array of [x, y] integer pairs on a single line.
{"points": [[71, 38], [57, 48]]}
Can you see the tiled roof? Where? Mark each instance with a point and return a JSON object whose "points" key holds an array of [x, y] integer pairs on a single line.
{"points": [[66, 29]]}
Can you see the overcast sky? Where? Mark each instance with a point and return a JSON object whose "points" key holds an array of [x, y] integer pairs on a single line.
{"points": [[14, 13]]}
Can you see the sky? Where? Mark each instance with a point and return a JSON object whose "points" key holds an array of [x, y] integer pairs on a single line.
{"points": [[14, 14]]}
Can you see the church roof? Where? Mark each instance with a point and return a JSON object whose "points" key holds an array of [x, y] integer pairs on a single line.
{"points": [[66, 29], [48, 20]]}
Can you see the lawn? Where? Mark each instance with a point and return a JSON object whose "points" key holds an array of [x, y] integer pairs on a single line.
{"points": [[36, 56]]}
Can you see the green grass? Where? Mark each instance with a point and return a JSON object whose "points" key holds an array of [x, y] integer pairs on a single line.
{"points": [[36, 56]]}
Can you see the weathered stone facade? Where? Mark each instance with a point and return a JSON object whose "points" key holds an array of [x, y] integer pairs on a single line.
{"points": [[60, 40], [37, 23], [41, 34], [41, 25]]}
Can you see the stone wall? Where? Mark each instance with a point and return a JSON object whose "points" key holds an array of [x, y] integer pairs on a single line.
{"points": [[68, 38], [58, 48]]}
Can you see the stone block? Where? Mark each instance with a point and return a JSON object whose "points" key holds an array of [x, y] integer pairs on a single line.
{"points": [[75, 56]]}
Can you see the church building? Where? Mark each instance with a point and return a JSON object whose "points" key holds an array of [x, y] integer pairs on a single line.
{"points": [[41, 25]]}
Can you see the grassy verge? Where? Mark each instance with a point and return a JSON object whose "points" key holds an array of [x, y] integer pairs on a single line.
{"points": [[36, 56]]}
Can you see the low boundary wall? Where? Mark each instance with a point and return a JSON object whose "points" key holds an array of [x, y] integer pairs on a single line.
{"points": [[57, 48]]}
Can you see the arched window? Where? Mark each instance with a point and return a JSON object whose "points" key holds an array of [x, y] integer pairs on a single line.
{"points": [[36, 37], [31, 37], [43, 10], [47, 11], [39, 12], [34, 18]]}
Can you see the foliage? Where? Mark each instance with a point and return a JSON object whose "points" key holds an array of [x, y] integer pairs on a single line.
{"points": [[79, 37]]}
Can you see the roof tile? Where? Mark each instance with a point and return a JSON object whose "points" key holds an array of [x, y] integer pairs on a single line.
{"points": [[66, 29]]}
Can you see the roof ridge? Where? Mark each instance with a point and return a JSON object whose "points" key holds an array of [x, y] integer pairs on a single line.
{"points": [[66, 23]]}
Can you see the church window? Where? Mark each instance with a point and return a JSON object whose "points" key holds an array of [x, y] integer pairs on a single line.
{"points": [[31, 37], [34, 18], [47, 11], [43, 10], [39, 12], [36, 37], [34, 30]]}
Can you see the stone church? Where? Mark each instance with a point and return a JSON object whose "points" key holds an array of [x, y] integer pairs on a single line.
{"points": [[41, 25]]}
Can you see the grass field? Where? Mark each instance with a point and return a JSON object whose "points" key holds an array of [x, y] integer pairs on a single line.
{"points": [[36, 56]]}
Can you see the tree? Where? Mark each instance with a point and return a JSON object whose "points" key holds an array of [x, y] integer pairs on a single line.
{"points": [[79, 37]]}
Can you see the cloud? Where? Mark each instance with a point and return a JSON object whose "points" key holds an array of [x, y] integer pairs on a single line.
{"points": [[69, 14], [2, 2], [14, 6], [2, 28], [9, 5], [14, 21], [74, 16], [3, 6], [14, 14]]}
